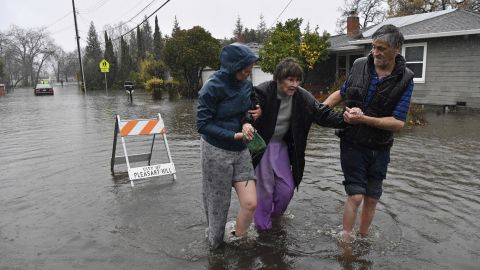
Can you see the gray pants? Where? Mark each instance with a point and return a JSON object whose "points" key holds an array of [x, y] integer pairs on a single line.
{"points": [[220, 170]]}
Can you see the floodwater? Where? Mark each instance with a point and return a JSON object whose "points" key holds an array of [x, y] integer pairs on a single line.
{"points": [[60, 207]]}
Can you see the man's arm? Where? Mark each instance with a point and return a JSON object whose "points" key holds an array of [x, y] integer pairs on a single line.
{"points": [[392, 123], [334, 99], [386, 123]]}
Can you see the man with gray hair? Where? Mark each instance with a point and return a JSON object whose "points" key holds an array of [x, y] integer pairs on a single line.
{"points": [[377, 96]]}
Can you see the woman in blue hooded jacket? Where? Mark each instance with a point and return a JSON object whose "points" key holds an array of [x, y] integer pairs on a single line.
{"points": [[223, 104]]}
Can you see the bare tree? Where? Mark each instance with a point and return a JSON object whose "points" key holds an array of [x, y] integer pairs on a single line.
{"points": [[71, 67], [470, 5], [57, 62], [43, 55], [409, 7], [29, 49], [369, 11]]}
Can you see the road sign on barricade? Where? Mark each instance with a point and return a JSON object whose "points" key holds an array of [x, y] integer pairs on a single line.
{"points": [[136, 127]]}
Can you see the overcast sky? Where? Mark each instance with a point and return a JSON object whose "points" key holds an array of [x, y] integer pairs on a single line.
{"points": [[216, 16]]}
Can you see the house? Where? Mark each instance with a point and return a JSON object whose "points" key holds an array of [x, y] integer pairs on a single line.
{"points": [[442, 48]]}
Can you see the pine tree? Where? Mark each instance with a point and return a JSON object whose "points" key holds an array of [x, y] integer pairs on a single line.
{"points": [[262, 31], [125, 62], [157, 41], [92, 58], [109, 55], [140, 46], [133, 50], [238, 31], [176, 26], [147, 36]]}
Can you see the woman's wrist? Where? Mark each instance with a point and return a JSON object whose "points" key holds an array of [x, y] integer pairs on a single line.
{"points": [[238, 136]]}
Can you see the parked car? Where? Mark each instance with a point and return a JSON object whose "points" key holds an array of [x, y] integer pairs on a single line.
{"points": [[3, 90], [43, 89]]}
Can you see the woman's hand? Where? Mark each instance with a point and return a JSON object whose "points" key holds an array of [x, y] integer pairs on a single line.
{"points": [[247, 131], [256, 113]]}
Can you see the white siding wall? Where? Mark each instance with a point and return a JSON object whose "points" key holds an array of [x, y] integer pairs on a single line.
{"points": [[452, 72], [258, 76], [206, 73]]}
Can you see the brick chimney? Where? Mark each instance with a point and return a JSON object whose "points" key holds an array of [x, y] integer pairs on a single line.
{"points": [[353, 24]]}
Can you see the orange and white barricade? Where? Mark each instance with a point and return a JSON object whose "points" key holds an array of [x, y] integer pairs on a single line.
{"points": [[137, 127]]}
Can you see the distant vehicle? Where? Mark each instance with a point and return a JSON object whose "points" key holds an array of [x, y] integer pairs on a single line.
{"points": [[3, 90], [43, 89]]}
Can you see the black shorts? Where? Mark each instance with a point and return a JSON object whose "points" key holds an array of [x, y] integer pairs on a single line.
{"points": [[364, 169]]}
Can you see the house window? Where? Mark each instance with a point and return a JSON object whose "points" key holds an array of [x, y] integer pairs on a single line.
{"points": [[416, 59], [345, 63], [352, 59], [342, 66]]}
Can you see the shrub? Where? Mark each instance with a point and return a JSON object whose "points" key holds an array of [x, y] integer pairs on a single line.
{"points": [[157, 86], [154, 86], [416, 116], [173, 88]]}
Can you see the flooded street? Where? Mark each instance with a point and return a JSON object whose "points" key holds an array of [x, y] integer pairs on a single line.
{"points": [[60, 207]]}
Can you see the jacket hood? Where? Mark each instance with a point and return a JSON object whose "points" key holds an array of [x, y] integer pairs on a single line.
{"points": [[235, 57]]}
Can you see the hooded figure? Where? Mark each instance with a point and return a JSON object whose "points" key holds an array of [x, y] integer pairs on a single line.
{"points": [[222, 113], [224, 100]]}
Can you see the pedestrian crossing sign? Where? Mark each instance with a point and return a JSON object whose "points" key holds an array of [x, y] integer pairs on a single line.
{"points": [[104, 66]]}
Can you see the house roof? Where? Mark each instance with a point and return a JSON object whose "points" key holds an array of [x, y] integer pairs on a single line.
{"points": [[342, 43], [406, 21], [453, 22]]}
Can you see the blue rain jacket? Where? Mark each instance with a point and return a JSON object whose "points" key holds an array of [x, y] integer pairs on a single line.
{"points": [[223, 100]]}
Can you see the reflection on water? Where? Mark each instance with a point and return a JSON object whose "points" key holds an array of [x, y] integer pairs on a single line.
{"points": [[61, 208]]}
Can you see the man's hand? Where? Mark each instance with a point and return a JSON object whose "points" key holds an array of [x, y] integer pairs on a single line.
{"points": [[256, 113], [353, 115]]}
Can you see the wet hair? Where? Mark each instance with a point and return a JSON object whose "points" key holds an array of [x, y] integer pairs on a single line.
{"points": [[288, 67], [390, 34]]}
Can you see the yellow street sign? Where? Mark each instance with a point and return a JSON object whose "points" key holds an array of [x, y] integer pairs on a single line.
{"points": [[104, 66]]}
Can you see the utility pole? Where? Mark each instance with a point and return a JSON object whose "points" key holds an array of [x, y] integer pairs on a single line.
{"points": [[78, 47]]}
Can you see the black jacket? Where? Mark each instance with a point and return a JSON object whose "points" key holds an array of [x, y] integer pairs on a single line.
{"points": [[305, 110], [383, 102]]}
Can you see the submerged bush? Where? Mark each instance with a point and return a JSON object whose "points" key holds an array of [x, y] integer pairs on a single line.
{"points": [[157, 86], [416, 116]]}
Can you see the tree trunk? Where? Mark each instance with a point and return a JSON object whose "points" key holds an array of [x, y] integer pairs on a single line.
{"points": [[40, 66], [58, 71]]}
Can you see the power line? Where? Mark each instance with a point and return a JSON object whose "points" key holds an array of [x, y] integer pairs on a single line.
{"points": [[63, 29], [288, 4], [135, 6], [149, 4], [95, 6], [84, 21], [142, 21], [63, 17]]}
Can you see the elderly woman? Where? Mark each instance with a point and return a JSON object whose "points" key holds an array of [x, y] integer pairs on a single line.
{"points": [[288, 111], [223, 105]]}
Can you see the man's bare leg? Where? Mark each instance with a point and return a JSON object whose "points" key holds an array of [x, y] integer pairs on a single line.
{"points": [[350, 214], [368, 211]]}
